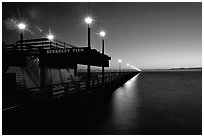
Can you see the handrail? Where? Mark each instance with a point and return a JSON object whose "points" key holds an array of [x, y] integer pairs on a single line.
{"points": [[82, 81], [65, 44], [42, 41]]}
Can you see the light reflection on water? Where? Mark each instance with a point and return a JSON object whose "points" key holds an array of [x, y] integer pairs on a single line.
{"points": [[123, 107], [124, 97], [156, 103]]}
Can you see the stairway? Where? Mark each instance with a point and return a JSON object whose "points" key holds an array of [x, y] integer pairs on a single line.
{"points": [[20, 81]]}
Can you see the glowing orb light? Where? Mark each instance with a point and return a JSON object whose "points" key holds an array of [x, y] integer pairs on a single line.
{"points": [[21, 26], [50, 36], [102, 33], [88, 20]]}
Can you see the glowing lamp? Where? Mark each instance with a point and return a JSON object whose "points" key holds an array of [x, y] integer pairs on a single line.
{"points": [[88, 20], [102, 33], [50, 37], [21, 26], [128, 64], [119, 60]]}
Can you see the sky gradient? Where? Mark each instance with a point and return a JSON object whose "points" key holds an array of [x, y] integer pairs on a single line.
{"points": [[145, 35]]}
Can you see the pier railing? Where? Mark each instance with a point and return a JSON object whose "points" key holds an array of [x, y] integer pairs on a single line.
{"points": [[78, 86], [62, 91]]}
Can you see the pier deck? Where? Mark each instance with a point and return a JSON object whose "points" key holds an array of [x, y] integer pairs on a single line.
{"points": [[61, 116]]}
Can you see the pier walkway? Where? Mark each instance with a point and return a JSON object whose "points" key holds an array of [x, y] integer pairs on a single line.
{"points": [[48, 111], [61, 91]]}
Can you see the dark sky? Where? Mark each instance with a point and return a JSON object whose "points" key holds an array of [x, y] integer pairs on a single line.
{"points": [[146, 35]]}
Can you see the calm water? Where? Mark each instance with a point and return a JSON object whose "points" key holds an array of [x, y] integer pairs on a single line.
{"points": [[156, 103], [149, 103]]}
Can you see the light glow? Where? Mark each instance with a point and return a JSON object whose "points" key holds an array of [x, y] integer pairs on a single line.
{"points": [[128, 64], [119, 60], [102, 33], [50, 36], [21, 26], [88, 20]]}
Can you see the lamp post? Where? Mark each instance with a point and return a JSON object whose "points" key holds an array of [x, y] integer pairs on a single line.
{"points": [[21, 27], [88, 20], [128, 67], [102, 33], [119, 61]]}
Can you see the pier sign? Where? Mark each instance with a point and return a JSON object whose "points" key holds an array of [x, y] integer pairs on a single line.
{"points": [[63, 58], [70, 50]]}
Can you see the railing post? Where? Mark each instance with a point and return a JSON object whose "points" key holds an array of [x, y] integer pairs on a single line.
{"points": [[42, 69], [42, 77], [21, 40]]}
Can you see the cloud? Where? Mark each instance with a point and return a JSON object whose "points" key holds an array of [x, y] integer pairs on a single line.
{"points": [[34, 13], [11, 23]]}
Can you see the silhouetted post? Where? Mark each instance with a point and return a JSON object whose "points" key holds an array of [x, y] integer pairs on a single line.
{"points": [[42, 77], [88, 66], [42, 68], [103, 64], [102, 33], [88, 20], [21, 39], [75, 70]]}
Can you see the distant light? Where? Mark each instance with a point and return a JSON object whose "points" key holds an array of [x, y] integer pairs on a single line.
{"points": [[136, 68], [88, 20], [50, 36], [119, 60], [128, 64], [21, 26], [102, 33]]}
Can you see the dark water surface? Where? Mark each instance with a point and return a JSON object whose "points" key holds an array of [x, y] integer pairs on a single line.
{"points": [[157, 103], [149, 103]]}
